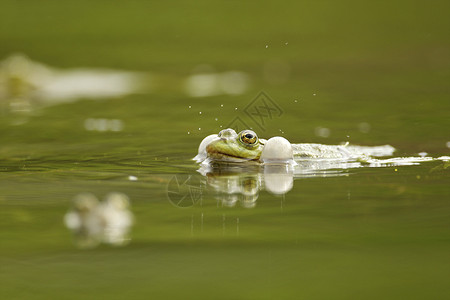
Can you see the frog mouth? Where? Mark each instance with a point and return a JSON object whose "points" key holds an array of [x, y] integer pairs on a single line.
{"points": [[221, 156]]}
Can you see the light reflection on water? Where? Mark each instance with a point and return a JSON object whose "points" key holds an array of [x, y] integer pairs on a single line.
{"points": [[26, 84], [93, 222], [213, 84]]}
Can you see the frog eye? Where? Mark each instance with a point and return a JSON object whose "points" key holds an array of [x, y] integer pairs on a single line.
{"points": [[248, 138]]}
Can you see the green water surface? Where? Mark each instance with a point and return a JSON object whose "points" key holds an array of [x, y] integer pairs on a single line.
{"points": [[376, 233]]}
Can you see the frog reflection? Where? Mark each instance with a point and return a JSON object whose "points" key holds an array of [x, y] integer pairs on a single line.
{"points": [[236, 183], [93, 222], [233, 188]]}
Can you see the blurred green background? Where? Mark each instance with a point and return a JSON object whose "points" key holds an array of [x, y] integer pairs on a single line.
{"points": [[384, 63], [327, 64]]}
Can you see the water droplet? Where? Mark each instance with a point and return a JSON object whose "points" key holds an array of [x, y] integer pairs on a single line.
{"points": [[267, 46], [314, 94], [190, 106], [220, 126], [199, 112], [199, 128], [189, 132], [286, 43], [423, 154], [216, 119], [235, 108], [295, 101], [221, 105]]}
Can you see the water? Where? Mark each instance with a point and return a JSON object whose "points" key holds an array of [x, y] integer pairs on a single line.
{"points": [[371, 231], [382, 231]]}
